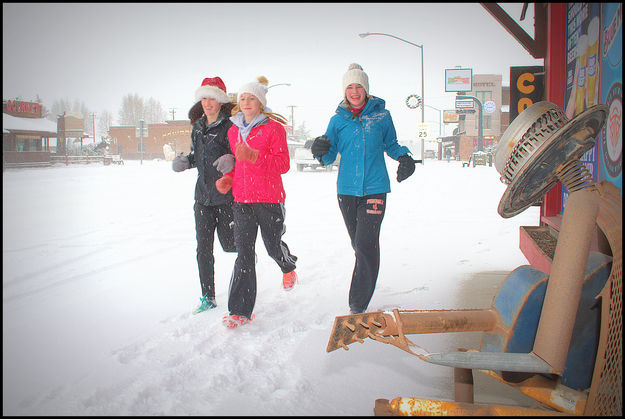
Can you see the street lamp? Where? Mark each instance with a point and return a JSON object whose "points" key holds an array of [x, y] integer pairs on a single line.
{"points": [[362, 35], [279, 84], [440, 120]]}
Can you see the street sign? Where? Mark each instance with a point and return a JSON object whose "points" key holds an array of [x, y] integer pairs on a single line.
{"points": [[464, 103], [145, 132], [422, 130], [461, 111]]}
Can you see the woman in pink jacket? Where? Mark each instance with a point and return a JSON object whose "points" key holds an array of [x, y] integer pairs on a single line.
{"points": [[261, 157]]}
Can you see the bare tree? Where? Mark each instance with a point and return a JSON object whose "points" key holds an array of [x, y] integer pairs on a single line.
{"points": [[132, 109], [104, 122], [58, 107], [154, 112], [45, 112]]}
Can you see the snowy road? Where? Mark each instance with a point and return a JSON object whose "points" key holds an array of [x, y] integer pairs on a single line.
{"points": [[100, 277]]}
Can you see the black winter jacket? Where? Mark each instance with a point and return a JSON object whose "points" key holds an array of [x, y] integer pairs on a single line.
{"points": [[209, 142]]}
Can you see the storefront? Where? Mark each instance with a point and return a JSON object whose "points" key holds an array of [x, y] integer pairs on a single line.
{"points": [[27, 138]]}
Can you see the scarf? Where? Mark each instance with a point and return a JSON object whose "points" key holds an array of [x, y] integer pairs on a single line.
{"points": [[244, 130]]}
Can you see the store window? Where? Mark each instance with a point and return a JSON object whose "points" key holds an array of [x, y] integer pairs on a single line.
{"points": [[484, 96], [28, 143], [488, 122]]}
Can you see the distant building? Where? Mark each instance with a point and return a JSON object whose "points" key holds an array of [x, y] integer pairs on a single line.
{"points": [[495, 119], [26, 135], [126, 142]]}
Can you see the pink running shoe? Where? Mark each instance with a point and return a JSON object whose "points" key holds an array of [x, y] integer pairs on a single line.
{"points": [[234, 320], [289, 280]]}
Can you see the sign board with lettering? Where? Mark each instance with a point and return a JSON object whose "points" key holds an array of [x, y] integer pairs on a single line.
{"points": [[527, 86], [489, 106], [458, 79], [22, 109], [450, 116], [422, 130], [464, 103]]}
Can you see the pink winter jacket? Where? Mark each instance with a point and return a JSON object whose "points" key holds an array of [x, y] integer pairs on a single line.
{"points": [[261, 181]]}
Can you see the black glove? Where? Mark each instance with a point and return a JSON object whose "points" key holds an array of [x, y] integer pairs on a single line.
{"points": [[406, 167], [320, 146], [180, 163]]}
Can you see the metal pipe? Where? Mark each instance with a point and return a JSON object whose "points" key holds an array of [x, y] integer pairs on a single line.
{"points": [[550, 392], [564, 288], [496, 361], [412, 406], [463, 383], [444, 321]]}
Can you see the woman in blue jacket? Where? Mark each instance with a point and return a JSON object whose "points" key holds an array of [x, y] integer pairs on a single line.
{"points": [[362, 131]]}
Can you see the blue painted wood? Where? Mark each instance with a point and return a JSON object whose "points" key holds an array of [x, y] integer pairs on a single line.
{"points": [[519, 305]]}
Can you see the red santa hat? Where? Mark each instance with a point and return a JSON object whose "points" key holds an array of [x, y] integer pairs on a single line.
{"points": [[214, 88]]}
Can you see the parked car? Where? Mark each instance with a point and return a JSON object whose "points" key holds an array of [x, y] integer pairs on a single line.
{"points": [[304, 158]]}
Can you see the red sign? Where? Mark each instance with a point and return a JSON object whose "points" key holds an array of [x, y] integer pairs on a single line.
{"points": [[26, 109]]}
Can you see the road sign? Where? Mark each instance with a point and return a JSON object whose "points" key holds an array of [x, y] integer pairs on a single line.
{"points": [[422, 130], [460, 111], [145, 132], [464, 103]]}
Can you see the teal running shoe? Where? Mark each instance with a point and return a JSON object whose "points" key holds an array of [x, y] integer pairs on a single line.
{"points": [[205, 304]]}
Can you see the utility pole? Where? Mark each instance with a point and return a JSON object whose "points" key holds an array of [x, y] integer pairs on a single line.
{"points": [[93, 116], [141, 138], [173, 112], [292, 120]]}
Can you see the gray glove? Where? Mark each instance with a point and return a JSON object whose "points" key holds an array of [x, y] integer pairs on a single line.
{"points": [[180, 163], [224, 164]]}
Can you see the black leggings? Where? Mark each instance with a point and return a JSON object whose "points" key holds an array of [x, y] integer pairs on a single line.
{"points": [[363, 217], [247, 219], [207, 220]]}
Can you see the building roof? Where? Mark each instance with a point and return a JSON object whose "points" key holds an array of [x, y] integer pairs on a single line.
{"points": [[40, 126]]}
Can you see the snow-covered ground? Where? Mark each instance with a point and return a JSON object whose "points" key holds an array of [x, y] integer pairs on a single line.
{"points": [[100, 277]]}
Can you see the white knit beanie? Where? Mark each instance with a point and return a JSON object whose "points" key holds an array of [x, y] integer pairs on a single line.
{"points": [[214, 88], [256, 88], [355, 74]]}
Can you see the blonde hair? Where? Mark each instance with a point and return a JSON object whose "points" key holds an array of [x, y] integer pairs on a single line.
{"points": [[275, 116]]}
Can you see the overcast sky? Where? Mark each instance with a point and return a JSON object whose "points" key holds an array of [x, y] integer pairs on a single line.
{"points": [[97, 53]]}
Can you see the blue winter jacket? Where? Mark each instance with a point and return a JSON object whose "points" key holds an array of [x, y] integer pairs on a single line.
{"points": [[362, 142]]}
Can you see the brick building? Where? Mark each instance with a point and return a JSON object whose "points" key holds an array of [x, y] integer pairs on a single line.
{"points": [[125, 140]]}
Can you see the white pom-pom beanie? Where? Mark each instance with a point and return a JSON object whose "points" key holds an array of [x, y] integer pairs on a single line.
{"points": [[213, 88], [355, 74], [257, 89]]}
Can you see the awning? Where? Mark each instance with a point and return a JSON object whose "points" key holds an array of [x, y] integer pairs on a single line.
{"points": [[37, 126]]}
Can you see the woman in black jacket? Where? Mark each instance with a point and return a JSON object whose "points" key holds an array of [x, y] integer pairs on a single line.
{"points": [[210, 153]]}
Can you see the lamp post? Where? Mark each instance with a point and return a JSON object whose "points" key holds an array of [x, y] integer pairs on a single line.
{"points": [[279, 84], [440, 120], [362, 35]]}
